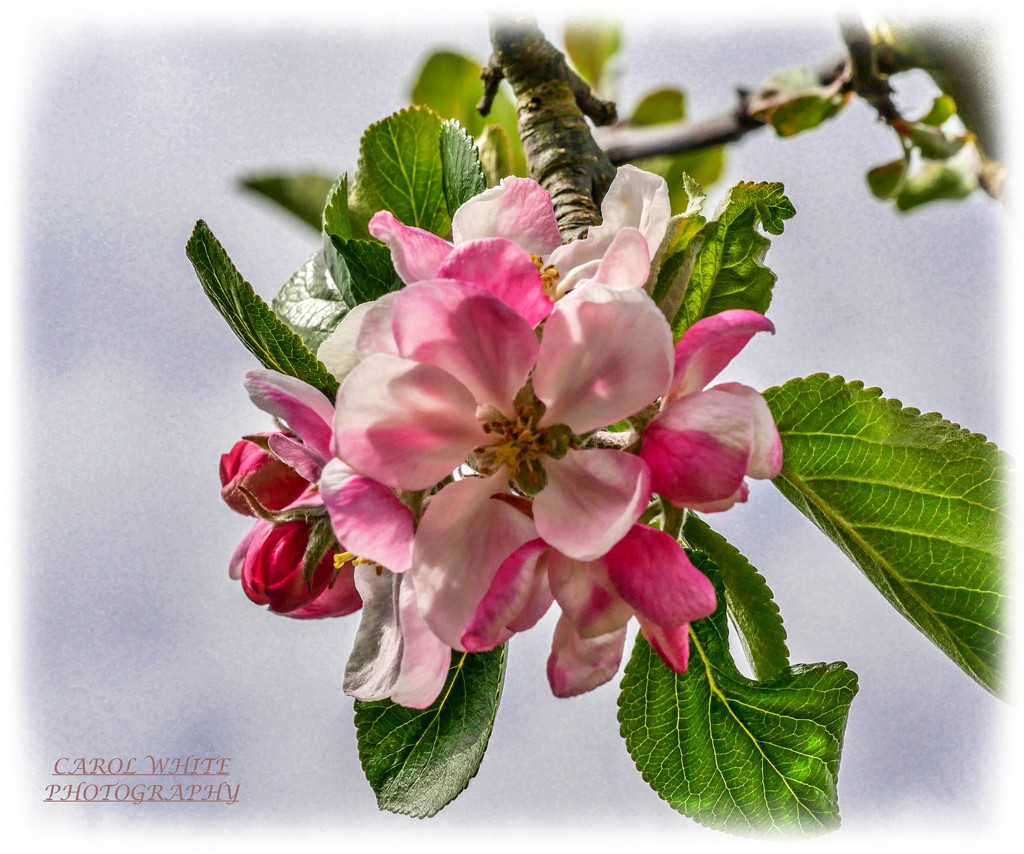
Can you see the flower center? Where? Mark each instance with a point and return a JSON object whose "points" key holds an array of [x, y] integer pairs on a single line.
{"points": [[519, 443], [549, 276]]}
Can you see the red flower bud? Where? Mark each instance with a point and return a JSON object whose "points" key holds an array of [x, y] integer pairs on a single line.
{"points": [[247, 467], [269, 562]]}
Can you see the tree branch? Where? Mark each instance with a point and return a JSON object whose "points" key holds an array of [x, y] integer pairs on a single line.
{"points": [[624, 142], [551, 101]]}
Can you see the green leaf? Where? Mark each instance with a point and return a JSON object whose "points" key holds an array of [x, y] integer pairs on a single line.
{"points": [[749, 600], [943, 108], [705, 166], [263, 333], [796, 100], [301, 194], [916, 502], [885, 180], [748, 757], [673, 261], [932, 142], [419, 760], [495, 154], [369, 265], [463, 174], [335, 214], [590, 44], [729, 272], [321, 540], [310, 303], [450, 84], [660, 107], [400, 169], [955, 178]]}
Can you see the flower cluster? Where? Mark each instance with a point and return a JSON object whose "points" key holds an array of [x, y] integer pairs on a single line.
{"points": [[503, 425]]}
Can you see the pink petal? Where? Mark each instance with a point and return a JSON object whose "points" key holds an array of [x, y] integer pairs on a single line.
{"points": [[587, 596], [374, 664], [468, 333], [698, 448], [652, 573], [591, 500], [508, 594], [577, 665], [297, 456], [303, 408], [605, 355], [672, 645], [504, 269], [518, 208], [257, 531], [403, 423], [425, 659], [336, 600], [415, 253], [462, 540], [626, 263], [709, 345], [367, 517], [375, 333], [738, 497], [766, 456]]}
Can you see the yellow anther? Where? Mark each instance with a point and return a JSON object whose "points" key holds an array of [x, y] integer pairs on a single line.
{"points": [[549, 276]]}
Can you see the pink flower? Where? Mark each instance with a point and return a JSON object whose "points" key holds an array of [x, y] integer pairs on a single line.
{"points": [[249, 473], [704, 442], [646, 574], [462, 377], [506, 241], [268, 562]]}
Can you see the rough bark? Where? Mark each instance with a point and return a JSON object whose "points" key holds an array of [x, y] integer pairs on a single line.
{"points": [[551, 102]]}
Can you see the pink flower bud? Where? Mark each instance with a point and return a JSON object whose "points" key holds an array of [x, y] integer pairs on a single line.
{"points": [[248, 468], [271, 574]]}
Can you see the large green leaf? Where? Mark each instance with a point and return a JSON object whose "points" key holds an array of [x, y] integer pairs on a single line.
{"points": [[310, 303], [729, 270], [918, 503], [420, 760], [735, 754], [463, 174], [301, 194], [400, 169], [265, 335], [749, 600], [450, 84]]}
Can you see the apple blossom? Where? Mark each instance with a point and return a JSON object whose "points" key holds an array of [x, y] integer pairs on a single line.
{"points": [[506, 240], [704, 442], [462, 378]]}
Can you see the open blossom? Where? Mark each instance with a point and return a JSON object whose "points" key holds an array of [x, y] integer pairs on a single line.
{"points": [[705, 441], [646, 574], [507, 235], [462, 378]]}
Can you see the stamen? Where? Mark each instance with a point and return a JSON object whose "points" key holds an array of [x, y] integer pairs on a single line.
{"points": [[549, 276]]}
